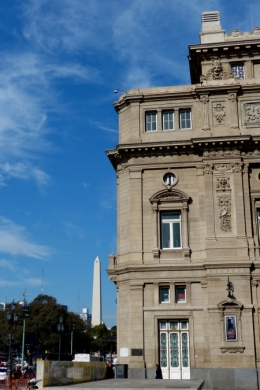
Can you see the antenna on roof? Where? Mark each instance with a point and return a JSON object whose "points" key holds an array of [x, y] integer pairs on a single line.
{"points": [[251, 11], [42, 280]]}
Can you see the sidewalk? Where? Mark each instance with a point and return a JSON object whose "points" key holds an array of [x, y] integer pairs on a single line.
{"points": [[134, 384]]}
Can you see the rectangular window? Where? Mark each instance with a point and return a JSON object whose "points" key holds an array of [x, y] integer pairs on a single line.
{"points": [[185, 119], [180, 293], [171, 230], [168, 120], [238, 70], [151, 121], [257, 70], [164, 294]]}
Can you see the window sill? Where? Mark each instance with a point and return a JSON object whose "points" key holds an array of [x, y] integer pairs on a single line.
{"points": [[171, 253]]}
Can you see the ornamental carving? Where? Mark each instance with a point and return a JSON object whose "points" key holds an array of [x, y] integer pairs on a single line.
{"points": [[245, 168], [222, 153], [216, 72], [204, 99], [169, 195], [252, 113], [236, 167], [256, 31], [207, 168], [251, 154], [222, 167], [219, 113], [223, 183], [232, 96], [235, 33], [224, 211]]}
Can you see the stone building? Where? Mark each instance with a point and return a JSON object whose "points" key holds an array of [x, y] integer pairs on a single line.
{"points": [[188, 263]]}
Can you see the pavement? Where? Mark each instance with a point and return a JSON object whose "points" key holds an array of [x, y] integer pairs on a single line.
{"points": [[135, 384]]}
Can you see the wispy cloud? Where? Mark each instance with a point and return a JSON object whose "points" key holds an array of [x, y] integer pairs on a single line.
{"points": [[15, 241]]}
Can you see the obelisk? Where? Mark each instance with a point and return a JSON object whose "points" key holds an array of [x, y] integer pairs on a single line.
{"points": [[96, 297]]}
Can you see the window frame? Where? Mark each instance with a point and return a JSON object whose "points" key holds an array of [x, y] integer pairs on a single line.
{"points": [[161, 288], [163, 121], [185, 110], [147, 114], [171, 222], [236, 65], [183, 286]]}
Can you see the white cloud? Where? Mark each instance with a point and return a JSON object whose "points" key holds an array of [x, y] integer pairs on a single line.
{"points": [[14, 241]]}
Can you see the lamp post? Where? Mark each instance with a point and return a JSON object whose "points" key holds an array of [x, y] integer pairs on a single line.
{"points": [[26, 314], [72, 328], [12, 319], [60, 328]]}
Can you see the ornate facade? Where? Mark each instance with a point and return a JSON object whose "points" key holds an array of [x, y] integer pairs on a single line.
{"points": [[187, 268]]}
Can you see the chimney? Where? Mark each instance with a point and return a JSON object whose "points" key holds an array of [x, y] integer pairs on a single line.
{"points": [[211, 28]]}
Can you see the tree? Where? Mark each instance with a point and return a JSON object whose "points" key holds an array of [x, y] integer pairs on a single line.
{"points": [[41, 328]]}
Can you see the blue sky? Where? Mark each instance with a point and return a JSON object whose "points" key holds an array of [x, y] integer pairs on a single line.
{"points": [[60, 63]]}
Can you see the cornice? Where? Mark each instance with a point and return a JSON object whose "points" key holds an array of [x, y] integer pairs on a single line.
{"points": [[230, 147]]}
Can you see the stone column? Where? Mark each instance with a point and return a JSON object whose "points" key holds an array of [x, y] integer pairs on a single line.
{"points": [[136, 326], [185, 230], [238, 199], [247, 204], [232, 97], [205, 112], [136, 216], [155, 232], [209, 206]]}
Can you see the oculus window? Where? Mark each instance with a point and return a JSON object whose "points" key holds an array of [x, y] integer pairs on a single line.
{"points": [[169, 179]]}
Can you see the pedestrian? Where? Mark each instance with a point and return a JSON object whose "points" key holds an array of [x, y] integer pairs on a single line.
{"points": [[110, 371], [158, 372]]}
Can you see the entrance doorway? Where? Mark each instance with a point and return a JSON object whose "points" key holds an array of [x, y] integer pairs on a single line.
{"points": [[174, 349]]}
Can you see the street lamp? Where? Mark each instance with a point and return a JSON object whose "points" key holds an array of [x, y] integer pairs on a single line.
{"points": [[72, 328], [60, 328], [12, 319]]}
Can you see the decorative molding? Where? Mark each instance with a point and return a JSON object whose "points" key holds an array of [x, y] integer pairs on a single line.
{"points": [[216, 72], [223, 183], [235, 33], [256, 31], [232, 348], [252, 113], [207, 168], [169, 195], [223, 167], [222, 153], [219, 113], [237, 167], [245, 168], [224, 211]]}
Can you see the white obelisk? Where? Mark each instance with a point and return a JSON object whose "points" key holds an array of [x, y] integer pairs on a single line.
{"points": [[96, 297]]}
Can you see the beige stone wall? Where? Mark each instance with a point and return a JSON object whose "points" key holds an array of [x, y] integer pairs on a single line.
{"points": [[217, 165]]}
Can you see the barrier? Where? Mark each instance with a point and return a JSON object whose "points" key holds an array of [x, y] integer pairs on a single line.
{"points": [[53, 373]]}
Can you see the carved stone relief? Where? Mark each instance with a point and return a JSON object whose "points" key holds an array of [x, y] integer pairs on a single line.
{"points": [[223, 167], [222, 153], [224, 211], [219, 113], [216, 72], [207, 168], [223, 183], [252, 113], [235, 33]]}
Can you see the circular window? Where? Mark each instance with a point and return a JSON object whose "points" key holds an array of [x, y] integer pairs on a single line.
{"points": [[169, 179]]}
